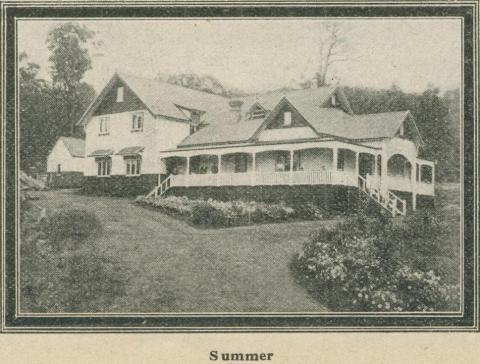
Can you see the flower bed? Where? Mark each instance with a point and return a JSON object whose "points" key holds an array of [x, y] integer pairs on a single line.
{"points": [[216, 213], [366, 265]]}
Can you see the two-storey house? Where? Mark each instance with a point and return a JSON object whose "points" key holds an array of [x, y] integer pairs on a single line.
{"points": [[146, 135]]}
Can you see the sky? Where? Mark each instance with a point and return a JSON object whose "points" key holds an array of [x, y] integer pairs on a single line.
{"points": [[255, 55]]}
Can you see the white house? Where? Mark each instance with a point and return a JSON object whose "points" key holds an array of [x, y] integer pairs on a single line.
{"points": [[65, 163], [142, 133]]}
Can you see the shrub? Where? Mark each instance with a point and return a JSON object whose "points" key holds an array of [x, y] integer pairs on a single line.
{"points": [[59, 273], [71, 225], [218, 213], [361, 264], [204, 213]]}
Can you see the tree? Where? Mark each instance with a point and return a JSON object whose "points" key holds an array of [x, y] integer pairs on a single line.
{"points": [[33, 113], [205, 83], [331, 51], [70, 60]]}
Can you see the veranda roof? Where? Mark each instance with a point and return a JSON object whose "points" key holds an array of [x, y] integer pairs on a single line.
{"points": [[101, 153], [130, 151]]}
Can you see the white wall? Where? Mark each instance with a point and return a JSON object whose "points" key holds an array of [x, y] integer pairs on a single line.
{"points": [[60, 155], [287, 134], [158, 134]]}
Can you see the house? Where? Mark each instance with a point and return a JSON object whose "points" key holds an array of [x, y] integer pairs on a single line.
{"points": [[144, 135], [65, 163]]}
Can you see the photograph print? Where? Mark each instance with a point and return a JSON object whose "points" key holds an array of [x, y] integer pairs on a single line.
{"points": [[217, 167]]}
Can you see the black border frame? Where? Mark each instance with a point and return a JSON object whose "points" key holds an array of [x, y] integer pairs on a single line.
{"points": [[11, 322]]}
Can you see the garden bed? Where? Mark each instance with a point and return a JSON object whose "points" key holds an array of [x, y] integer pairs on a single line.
{"points": [[212, 213]]}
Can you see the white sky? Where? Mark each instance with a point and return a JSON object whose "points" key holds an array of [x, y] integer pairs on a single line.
{"points": [[256, 55]]}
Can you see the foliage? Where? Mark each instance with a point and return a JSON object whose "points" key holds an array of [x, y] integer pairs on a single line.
{"points": [[217, 213], [373, 265], [67, 271], [50, 110], [205, 83]]}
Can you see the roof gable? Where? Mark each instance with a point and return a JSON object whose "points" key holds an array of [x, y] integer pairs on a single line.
{"points": [[109, 104], [165, 99]]}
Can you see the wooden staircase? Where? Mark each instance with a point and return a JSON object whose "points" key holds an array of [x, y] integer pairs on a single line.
{"points": [[386, 199], [161, 188]]}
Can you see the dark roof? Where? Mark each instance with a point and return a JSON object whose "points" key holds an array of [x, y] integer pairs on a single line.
{"points": [[101, 153], [130, 151], [75, 146]]}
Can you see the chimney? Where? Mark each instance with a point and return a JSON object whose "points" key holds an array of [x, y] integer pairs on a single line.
{"points": [[236, 108]]}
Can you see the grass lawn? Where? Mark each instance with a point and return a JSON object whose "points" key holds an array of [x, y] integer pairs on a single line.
{"points": [[175, 267]]}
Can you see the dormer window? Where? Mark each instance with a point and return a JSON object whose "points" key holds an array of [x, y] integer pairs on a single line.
{"points": [[287, 118], [120, 92], [137, 121], [257, 112]]}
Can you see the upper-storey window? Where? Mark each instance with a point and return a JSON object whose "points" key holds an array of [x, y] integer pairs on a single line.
{"points": [[120, 94], [333, 100], [104, 125], [137, 121], [287, 118]]}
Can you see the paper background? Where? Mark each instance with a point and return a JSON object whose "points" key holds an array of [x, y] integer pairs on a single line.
{"points": [[331, 348]]}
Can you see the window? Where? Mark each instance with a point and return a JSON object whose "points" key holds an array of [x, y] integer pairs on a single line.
{"points": [[334, 101], [402, 130], [341, 160], [240, 163], [132, 165], [287, 118], [104, 166], [120, 94], [59, 168], [104, 125], [426, 174], [417, 172], [137, 121], [257, 113], [282, 163]]}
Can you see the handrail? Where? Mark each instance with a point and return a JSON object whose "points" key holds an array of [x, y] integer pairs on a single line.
{"points": [[390, 202], [163, 187]]}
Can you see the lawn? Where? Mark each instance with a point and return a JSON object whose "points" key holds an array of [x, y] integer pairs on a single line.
{"points": [[178, 268], [172, 266]]}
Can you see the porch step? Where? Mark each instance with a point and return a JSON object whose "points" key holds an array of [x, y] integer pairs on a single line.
{"points": [[387, 200]]}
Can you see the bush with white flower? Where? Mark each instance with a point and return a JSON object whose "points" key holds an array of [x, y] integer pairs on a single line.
{"points": [[359, 266], [217, 213]]}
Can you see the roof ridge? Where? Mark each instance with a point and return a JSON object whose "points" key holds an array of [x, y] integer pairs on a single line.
{"points": [[128, 74]]}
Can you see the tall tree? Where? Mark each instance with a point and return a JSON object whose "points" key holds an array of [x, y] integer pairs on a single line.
{"points": [[70, 60], [33, 113], [331, 50]]}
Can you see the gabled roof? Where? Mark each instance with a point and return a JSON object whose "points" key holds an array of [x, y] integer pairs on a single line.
{"points": [[164, 99], [241, 131], [317, 96], [75, 146]]}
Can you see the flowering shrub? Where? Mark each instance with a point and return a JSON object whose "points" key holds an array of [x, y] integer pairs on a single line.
{"points": [[359, 265], [217, 213]]}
